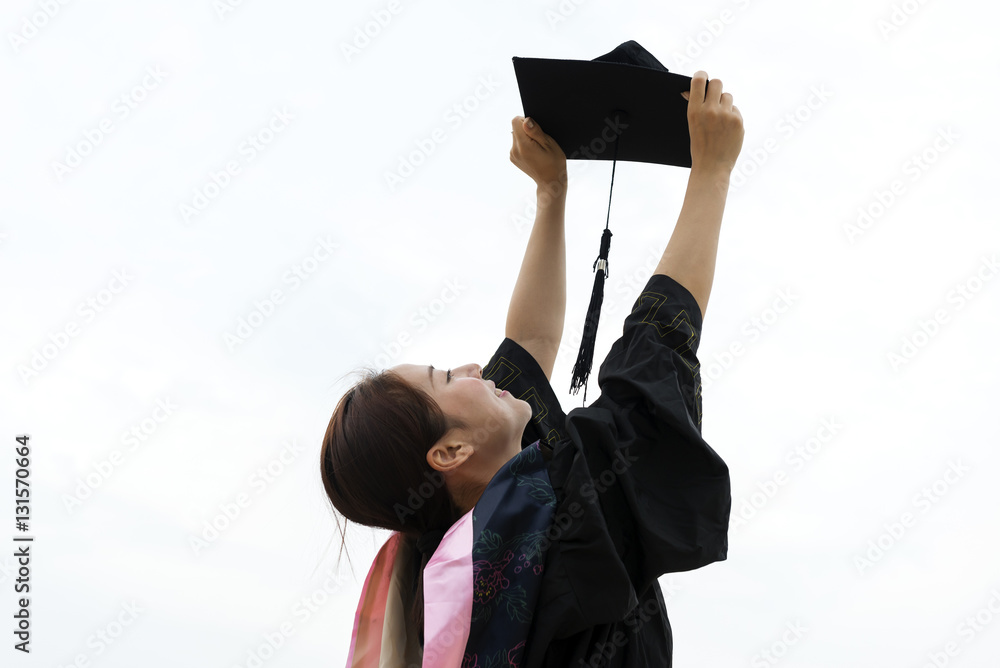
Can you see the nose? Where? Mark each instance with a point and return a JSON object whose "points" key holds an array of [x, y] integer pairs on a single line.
{"points": [[473, 370], [476, 371]]}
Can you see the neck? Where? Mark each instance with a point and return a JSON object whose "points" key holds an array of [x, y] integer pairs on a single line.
{"points": [[466, 496]]}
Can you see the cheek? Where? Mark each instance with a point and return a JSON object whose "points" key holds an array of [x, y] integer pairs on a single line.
{"points": [[481, 404]]}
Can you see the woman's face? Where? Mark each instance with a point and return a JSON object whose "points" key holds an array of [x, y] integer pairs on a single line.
{"points": [[496, 423]]}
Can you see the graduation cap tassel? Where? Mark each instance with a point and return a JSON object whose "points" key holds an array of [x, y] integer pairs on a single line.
{"points": [[585, 358]]}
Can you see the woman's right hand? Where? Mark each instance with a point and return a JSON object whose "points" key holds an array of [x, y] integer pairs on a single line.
{"points": [[537, 154], [716, 126]]}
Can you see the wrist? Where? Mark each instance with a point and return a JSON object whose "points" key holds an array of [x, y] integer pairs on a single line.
{"points": [[714, 172], [716, 177], [551, 192]]}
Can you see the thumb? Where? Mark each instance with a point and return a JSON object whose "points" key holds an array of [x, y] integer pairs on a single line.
{"points": [[530, 126], [685, 95]]}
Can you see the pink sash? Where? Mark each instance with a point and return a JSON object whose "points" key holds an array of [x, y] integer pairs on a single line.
{"points": [[448, 584]]}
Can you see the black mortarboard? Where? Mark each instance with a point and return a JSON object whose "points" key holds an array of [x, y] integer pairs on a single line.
{"points": [[623, 105]]}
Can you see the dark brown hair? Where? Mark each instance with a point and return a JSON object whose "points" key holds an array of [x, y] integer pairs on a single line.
{"points": [[373, 463]]}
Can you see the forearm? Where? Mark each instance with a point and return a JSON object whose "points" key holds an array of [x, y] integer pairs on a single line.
{"points": [[537, 309], [690, 254]]}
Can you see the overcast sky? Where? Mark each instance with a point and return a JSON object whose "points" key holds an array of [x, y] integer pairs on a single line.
{"points": [[214, 211]]}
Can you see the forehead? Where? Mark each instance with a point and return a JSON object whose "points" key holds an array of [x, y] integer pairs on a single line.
{"points": [[414, 372]]}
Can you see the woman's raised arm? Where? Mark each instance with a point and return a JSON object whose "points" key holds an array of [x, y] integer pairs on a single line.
{"points": [[716, 128], [537, 310]]}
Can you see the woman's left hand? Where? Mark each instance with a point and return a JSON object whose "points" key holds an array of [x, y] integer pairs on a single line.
{"points": [[537, 154]]}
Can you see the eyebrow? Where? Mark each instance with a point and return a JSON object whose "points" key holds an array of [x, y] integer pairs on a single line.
{"points": [[430, 374]]}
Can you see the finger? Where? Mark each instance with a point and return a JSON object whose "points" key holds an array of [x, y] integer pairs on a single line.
{"points": [[518, 125], [714, 91], [517, 128], [533, 132], [727, 101], [519, 135], [698, 82]]}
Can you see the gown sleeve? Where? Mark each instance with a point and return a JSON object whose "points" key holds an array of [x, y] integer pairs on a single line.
{"points": [[637, 452], [514, 369]]}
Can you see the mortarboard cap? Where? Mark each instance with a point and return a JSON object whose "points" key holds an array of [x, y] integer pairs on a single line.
{"points": [[577, 103], [624, 105]]}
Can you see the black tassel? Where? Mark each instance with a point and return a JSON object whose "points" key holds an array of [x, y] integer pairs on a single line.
{"points": [[585, 359]]}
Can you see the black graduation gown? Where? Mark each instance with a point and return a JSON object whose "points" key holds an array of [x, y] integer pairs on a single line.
{"points": [[639, 492]]}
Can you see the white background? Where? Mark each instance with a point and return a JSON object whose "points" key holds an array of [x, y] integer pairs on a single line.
{"points": [[809, 163]]}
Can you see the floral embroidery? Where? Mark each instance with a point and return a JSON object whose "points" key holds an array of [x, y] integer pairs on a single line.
{"points": [[538, 488], [489, 579], [514, 655], [511, 519], [501, 658]]}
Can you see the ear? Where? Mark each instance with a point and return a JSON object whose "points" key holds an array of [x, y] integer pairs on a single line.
{"points": [[446, 456]]}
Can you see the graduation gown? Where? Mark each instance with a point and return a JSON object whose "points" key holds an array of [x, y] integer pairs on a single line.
{"points": [[557, 564]]}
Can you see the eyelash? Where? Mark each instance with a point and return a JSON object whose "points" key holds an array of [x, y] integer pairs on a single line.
{"points": [[449, 376]]}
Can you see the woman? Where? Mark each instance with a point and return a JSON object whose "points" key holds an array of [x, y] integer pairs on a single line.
{"points": [[528, 537]]}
